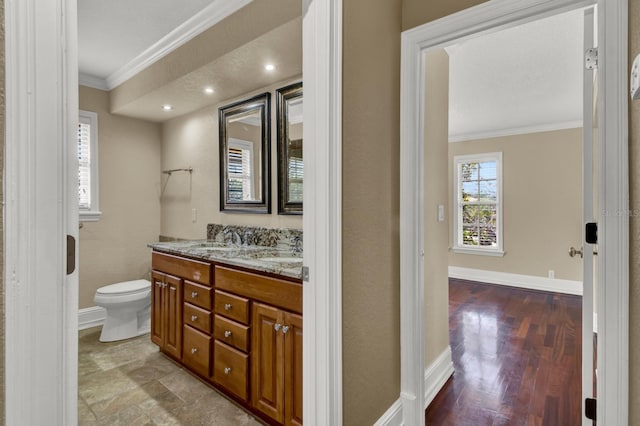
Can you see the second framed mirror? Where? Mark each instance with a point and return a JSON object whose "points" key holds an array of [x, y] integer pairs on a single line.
{"points": [[290, 164]]}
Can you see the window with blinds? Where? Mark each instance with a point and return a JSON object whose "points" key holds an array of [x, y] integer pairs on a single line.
{"points": [[296, 175], [88, 166], [84, 166], [478, 203], [240, 177]]}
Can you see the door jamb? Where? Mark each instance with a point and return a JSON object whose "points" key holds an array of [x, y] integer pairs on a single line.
{"points": [[613, 318]]}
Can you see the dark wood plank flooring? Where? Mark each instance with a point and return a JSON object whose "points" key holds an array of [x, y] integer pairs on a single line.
{"points": [[517, 358]]}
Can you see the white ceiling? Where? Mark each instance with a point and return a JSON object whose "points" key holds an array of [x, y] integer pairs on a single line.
{"points": [[122, 39], [522, 79], [114, 32]]}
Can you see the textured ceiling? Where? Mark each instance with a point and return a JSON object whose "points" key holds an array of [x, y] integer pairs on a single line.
{"points": [[526, 77], [112, 33], [229, 57]]}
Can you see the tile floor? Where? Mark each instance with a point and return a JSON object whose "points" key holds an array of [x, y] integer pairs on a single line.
{"points": [[131, 383]]}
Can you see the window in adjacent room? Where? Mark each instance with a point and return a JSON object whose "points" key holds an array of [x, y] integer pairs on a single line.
{"points": [[88, 166], [478, 204]]}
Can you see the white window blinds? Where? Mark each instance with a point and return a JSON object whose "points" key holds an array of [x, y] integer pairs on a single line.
{"points": [[88, 166], [84, 166]]}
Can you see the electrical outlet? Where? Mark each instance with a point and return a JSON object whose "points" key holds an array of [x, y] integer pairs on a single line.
{"points": [[440, 213], [552, 274], [194, 215]]}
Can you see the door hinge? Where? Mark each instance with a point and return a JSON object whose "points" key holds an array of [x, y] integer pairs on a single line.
{"points": [[305, 274], [591, 58], [71, 254], [590, 408], [591, 233]]}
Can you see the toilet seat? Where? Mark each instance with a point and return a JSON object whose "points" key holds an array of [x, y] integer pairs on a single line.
{"points": [[125, 288]]}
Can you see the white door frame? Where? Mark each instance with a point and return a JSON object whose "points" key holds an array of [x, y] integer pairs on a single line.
{"points": [[41, 300], [613, 313], [322, 221], [41, 309]]}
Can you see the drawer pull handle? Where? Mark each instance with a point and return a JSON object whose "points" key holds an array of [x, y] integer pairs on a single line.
{"points": [[194, 294], [194, 318], [277, 326], [227, 306], [285, 329], [227, 333], [227, 370], [194, 350]]}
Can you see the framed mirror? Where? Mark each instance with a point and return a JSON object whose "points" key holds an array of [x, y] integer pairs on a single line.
{"points": [[245, 155], [290, 165]]}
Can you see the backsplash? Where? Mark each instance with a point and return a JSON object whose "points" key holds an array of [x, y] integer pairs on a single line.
{"points": [[256, 236]]}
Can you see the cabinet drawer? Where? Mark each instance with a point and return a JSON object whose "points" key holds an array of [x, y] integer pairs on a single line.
{"points": [[197, 317], [232, 306], [230, 369], [181, 267], [231, 332], [196, 351], [198, 295], [274, 291]]}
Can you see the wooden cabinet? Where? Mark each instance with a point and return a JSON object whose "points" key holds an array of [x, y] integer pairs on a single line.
{"points": [[172, 277], [238, 330], [166, 313], [276, 363]]}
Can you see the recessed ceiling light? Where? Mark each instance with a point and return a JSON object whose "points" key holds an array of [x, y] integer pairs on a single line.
{"points": [[208, 90], [167, 107], [269, 67]]}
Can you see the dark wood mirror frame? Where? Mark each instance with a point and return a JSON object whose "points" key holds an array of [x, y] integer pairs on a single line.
{"points": [[257, 199], [288, 145]]}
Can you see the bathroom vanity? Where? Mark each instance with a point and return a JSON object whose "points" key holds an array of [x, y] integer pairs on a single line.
{"points": [[232, 314]]}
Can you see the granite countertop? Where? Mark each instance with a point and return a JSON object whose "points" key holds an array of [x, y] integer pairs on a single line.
{"points": [[275, 260]]}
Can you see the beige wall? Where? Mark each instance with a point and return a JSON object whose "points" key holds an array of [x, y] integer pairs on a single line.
{"points": [[114, 248], [192, 141], [370, 209], [634, 237], [542, 210], [436, 238]]}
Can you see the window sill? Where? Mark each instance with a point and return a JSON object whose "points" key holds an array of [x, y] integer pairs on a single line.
{"points": [[90, 216], [481, 252]]}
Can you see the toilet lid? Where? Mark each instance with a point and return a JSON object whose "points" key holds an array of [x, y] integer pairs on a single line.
{"points": [[126, 287]]}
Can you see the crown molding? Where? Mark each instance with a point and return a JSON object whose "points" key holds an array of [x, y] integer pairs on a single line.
{"points": [[548, 127], [203, 20], [92, 81]]}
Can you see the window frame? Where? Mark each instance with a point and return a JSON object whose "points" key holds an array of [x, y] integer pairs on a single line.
{"points": [[458, 246], [93, 213]]}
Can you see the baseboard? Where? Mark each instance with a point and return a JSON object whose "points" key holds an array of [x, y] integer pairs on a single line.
{"points": [[91, 317], [517, 280], [392, 417], [436, 375]]}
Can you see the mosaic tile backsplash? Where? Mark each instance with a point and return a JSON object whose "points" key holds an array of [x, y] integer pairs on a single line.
{"points": [[290, 239]]}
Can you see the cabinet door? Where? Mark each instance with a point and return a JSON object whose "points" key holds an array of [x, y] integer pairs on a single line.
{"points": [[293, 369], [267, 368], [173, 316], [157, 309]]}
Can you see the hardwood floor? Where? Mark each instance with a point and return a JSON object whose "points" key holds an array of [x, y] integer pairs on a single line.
{"points": [[517, 358]]}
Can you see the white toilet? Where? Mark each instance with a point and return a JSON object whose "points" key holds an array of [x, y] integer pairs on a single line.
{"points": [[128, 306]]}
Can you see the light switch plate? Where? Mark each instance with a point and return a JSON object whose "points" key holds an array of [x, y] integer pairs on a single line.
{"points": [[635, 79], [440, 213]]}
